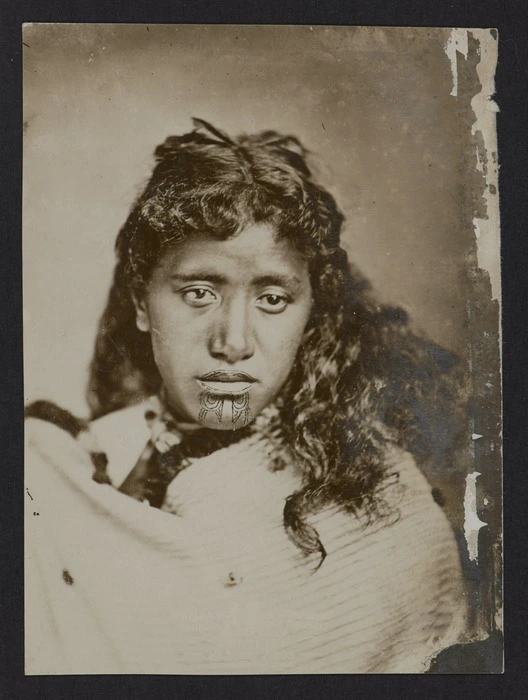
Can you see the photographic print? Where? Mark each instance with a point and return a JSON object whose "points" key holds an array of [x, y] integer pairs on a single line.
{"points": [[261, 350]]}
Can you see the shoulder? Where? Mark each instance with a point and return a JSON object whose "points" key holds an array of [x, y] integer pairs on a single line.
{"points": [[419, 522], [421, 525], [53, 447], [122, 435], [405, 500], [410, 547], [53, 435], [405, 564]]}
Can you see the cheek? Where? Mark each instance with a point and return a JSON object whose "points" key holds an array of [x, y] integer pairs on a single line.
{"points": [[169, 327], [168, 342], [283, 344]]}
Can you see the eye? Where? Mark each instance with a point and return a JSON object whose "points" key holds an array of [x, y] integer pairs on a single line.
{"points": [[198, 296], [272, 303]]}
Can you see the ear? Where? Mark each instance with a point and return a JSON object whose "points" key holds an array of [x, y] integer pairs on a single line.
{"points": [[142, 319]]}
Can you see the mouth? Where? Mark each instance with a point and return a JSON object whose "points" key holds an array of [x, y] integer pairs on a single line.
{"points": [[227, 382]]}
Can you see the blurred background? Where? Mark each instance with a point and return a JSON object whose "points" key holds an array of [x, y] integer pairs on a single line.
{"points": [[373, 105]]}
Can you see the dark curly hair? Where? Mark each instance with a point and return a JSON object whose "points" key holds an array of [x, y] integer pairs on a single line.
{"points": [[362, 379]]}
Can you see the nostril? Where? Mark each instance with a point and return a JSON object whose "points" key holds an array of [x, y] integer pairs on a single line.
{"points": [[231, 348], [217, 354]]}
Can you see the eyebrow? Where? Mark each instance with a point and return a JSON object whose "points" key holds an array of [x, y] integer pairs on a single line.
{"points": [[291, 282], [199, 275]]}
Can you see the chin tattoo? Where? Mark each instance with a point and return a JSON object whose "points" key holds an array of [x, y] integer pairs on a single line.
{"points": [[241, 410], [212, 403]]}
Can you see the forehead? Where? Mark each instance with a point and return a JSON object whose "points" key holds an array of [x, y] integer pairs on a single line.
{"points": [[255, 249]]}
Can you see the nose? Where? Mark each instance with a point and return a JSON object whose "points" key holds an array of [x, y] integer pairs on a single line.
{"points": [[231, 338]]}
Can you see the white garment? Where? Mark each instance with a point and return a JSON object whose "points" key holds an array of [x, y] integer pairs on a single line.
{"points": [[115, 586]]}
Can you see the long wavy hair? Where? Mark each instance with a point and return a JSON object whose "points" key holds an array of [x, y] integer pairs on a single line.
{"points": [[362, 380]]}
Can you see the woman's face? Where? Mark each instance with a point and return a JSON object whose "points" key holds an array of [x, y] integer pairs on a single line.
{"points": [[226, 319]]}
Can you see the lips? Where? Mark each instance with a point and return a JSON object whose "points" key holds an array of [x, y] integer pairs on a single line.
{"points": [[223, 381]]}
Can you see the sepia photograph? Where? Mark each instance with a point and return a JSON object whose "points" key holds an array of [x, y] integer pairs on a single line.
{"points": [[261, 350]]}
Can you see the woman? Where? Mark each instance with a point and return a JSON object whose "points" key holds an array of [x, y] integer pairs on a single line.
{"points": [[246, 387]]}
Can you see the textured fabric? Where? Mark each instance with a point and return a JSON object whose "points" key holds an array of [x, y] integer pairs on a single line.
{"points": [[169, 451], [215, 586]]}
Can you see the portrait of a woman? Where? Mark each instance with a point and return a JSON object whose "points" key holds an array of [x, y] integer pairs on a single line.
{"points": [[248, 494]]}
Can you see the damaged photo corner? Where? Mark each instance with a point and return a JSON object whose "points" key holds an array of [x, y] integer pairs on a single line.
{"points": [[261, 350]]}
